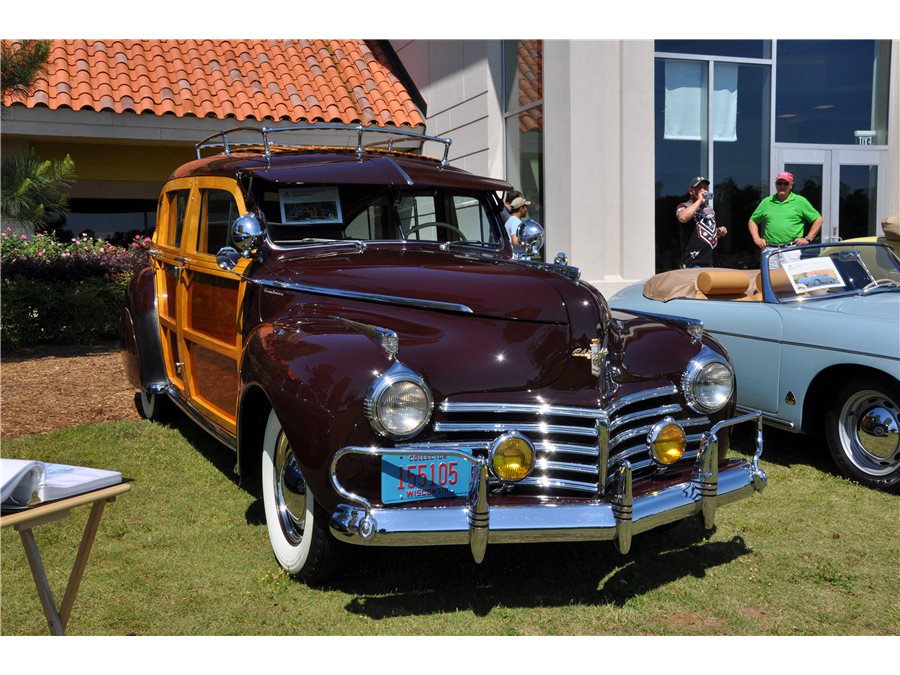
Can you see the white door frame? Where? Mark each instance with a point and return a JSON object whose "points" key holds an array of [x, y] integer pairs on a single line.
{"points": [[831, 158]]}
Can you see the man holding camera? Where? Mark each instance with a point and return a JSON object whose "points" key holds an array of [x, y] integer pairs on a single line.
{"points": [[704, 234]]}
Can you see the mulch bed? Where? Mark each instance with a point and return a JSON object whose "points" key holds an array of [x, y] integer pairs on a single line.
{"points": [[51, 387]]}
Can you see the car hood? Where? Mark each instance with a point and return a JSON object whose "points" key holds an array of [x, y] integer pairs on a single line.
{"points": [[472, 283]]}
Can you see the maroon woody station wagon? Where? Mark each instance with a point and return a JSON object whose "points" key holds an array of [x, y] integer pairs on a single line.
{"points": [[352, 322]]}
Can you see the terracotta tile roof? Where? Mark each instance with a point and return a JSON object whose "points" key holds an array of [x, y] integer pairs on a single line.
{"points": [[282, 80], [530, 83]]}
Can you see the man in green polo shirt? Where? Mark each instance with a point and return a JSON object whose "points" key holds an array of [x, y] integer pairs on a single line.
{"points": [[783, 216]]}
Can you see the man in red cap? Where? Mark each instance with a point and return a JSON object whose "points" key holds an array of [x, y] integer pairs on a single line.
{"points": [[783, 217]]}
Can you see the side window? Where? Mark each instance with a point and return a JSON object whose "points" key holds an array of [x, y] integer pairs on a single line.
{"points": [[218, 210], [472, 219], [416, 212], [177, 202]]}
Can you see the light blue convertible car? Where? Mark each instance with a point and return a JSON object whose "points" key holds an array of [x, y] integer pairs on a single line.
{"points": [[815, 343]]}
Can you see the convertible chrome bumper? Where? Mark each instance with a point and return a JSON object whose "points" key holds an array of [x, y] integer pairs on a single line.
{"points": [[615, 515]]}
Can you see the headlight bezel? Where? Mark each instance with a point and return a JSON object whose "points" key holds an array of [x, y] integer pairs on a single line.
{"points": [[395, 375], [692, 373]]}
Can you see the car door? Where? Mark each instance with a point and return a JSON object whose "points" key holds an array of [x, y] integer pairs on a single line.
{"points": [[200, 315], [752, 334]]}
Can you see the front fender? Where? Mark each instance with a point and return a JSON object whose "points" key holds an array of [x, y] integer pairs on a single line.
{"points": [[316, 374], [139, 333]]}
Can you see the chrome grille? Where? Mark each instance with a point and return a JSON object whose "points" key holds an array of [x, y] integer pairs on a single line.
{"points": [[570, 441]]}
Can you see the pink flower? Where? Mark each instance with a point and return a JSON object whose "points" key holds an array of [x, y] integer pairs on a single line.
{"points": [[147, 239], [40, 254], [40, 234], [135, 244], [101, 250], [4, 234], [65, 255], [9, 228], [24, 236]]}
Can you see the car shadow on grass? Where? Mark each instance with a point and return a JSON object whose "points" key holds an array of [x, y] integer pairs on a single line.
{"points": [[409, 582]]}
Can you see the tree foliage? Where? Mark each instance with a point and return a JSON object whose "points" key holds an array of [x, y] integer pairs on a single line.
{"points": [[32, 188], [21, 63]]}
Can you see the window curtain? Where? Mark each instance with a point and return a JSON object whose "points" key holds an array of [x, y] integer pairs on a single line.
{"points": [[685, 101]]}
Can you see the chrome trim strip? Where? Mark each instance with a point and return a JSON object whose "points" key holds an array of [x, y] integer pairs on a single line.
{"points": [[642, 414], [642, 431], [523, 408], [550, 465], [637, 449], [500, 427], [640, 396], [560, 483], [211, 428], [366, 297], [554, 449], [563, 411]]}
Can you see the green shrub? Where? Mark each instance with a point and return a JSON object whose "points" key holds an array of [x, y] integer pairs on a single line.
{"points": [[63, 293]]}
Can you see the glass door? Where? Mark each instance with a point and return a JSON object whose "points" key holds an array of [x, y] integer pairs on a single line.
{"points": [[845, 185]]}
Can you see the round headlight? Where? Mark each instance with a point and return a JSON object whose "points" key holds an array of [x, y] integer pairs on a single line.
{"points": [[512, 457], [708, 382], [399, 403]]}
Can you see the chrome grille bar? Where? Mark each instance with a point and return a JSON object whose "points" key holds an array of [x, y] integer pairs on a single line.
{"points": [[501, 427], [554, 429]]}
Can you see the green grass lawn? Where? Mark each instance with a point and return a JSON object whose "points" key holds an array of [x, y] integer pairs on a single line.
{"points": [[186, 553]]}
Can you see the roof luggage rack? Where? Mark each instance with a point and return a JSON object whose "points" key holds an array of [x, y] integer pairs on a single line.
{"points": [[221, 138]]}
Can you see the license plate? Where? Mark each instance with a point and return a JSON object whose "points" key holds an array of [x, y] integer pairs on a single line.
{"points": [[418, 476]]}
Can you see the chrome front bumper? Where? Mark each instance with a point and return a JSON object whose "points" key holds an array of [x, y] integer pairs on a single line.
{"points": [[615, 515]]}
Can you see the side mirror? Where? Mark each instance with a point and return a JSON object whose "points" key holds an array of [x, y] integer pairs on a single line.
{"points": [[531, 237], [227, 258], [247, 233]]}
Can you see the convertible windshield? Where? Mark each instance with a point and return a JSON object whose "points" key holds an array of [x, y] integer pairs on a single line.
{"points": [[827, 270], [302, 214]]}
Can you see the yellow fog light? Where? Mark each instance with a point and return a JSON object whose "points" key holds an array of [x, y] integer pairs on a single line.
{"points": [[667, 442], [512, 456]]}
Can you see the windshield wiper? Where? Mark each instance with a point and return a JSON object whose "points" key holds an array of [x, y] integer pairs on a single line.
{"points": [[879, 283]]}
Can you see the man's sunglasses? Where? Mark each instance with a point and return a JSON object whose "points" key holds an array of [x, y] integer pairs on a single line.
{"points": [[781, 182]]}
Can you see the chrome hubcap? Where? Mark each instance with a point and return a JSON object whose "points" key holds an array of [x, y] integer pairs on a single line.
{"points": [[870, 430], [290, 491]]}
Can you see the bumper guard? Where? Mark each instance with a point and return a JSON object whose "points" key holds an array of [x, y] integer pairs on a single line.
{"points": [[616, 516]]}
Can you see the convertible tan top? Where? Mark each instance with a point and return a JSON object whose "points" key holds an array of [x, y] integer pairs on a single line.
{"points": [[704, 282]]}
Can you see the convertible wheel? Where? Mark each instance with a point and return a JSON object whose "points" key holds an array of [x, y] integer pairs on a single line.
{"points": [[863, 433], [298, 527]]}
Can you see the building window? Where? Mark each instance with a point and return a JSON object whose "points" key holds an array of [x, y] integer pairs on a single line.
{"points": [[116, 220], [754, 49], [524, 119], [832, 91], [712, 119]]}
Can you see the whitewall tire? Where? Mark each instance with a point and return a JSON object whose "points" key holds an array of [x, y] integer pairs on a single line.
{"points": [[298, 527]]}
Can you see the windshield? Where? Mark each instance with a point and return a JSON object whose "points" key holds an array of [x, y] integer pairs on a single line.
{"points": [[306, 214], [828, 270]]}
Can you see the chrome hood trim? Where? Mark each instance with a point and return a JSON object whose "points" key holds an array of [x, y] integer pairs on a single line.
{"points": [[365, 297]]}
